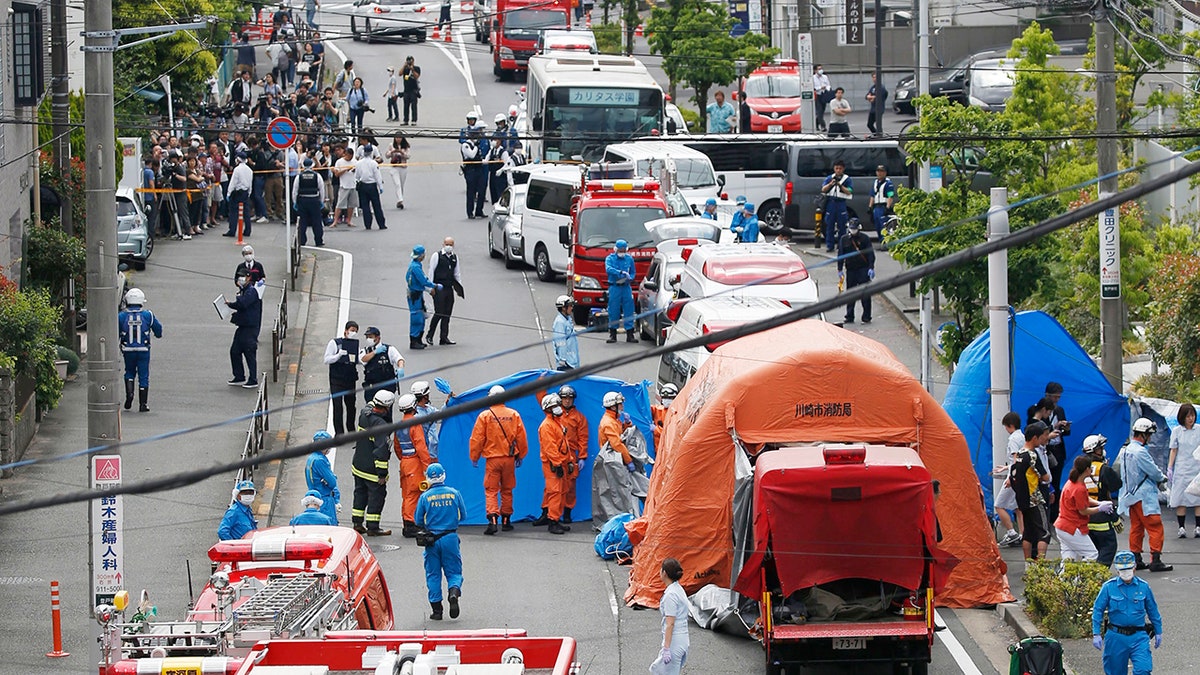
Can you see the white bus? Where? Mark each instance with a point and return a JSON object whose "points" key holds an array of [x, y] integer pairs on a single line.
{"points": [[579, 103]]}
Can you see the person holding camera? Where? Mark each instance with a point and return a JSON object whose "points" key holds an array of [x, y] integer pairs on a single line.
{"points": [[358, 102], [410, 74]]}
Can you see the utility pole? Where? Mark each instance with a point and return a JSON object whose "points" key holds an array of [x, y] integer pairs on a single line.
{"points": [[924, 183], [1110, 233], [1001, 385], [60, 110], [878, 102]]}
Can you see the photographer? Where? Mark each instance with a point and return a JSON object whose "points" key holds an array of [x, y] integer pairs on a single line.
{"points": [[265, 111], [359, 104], [411, 75], [174, 176]]}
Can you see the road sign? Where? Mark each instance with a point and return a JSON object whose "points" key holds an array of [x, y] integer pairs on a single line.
{"points": [[850, 32], [1110, 253], [108, 543], [281, 133]]}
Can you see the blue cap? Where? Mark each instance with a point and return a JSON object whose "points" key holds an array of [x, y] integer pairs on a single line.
{"points": [[740, 199], [621, 245], [1124, 560], [245, 486], [418, 250], [313, 493], [749, 206], [710, 202], [308, 161], [371, 330], [435, 474], [322, 435]]}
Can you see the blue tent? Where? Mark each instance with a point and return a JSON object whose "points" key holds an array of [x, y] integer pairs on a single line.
{"points": [[454, 442], [1041, 351]]}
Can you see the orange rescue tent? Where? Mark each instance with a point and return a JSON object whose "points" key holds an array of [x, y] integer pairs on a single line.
{"points": [[809, 381]]}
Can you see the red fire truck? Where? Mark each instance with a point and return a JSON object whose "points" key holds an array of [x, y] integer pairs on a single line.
{"points": [[516, 27]]}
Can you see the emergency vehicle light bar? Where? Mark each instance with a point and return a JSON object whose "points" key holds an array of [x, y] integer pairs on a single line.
{"points": [[855, 454], [265, 550], [623, 185]]}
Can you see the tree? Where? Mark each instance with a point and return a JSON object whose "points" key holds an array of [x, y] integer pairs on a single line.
{"points": [[706, 55], [662, 30], [1174, 315]]}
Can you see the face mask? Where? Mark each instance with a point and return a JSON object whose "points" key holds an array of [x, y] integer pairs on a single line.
{"points": [[1125, 575], [246, 499], [447, 249], [352, 335], [667, 402], [557, 411], [249, 259], [370, 342], [242, 281], [820, 70], [620, 254]]}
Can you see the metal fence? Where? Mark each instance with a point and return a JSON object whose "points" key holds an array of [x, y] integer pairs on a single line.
{"points": [[256, 434]]}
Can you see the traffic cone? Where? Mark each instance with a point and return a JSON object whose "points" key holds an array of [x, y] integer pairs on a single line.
{"points": [[449, 32], [436, 33], [639, 31], [241, 224]]}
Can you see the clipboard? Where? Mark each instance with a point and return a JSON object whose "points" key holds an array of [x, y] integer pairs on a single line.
{"points": [[223, 310]]}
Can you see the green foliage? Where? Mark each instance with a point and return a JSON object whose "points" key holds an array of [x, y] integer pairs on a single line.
{"points": [[1174, 315], [1059, 595], [608, 37], [1138, 55], [692, 118], [28, 328], [53, 257], [72, 185], [75, 115]]}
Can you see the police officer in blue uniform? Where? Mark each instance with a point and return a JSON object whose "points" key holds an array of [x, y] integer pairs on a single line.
{"points": [[239, 518], [710, 209], [382, 365], [318, 475], [619, 267], [439, 510], [418, 284], [746, 230], [474, 149], [837, 188], [136, 324], [312, 515], [425, 406], [1128, 601], [370, 466], [882, 199], [310, 195], [247, 316]]}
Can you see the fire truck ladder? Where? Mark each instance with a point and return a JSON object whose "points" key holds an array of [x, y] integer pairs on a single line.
{"points": [[287, 605]]}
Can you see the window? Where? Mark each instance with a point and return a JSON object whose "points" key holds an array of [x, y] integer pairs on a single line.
{"points": [[550, 197], [744, 155], [815, 161], [28, 77]]}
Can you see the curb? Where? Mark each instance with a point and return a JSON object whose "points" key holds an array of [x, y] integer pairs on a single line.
{"points": [[1014, 616]]}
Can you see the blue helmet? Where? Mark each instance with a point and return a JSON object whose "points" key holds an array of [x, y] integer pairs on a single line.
{"points": [[244, 486], [418, 250], [740, 199], [621, 245], [710, 202], [1124, 560], [749, 206], [322, 435], [435, 474]]}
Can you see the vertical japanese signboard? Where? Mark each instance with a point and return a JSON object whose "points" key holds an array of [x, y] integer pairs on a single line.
{"points": [[852, 29], [1110, 253], [108, 545]]}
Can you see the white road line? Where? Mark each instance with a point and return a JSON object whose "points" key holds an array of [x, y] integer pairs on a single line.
{"points": [[466, 65], [331, 43], [965, 664], [343, 317], [612, 594]]}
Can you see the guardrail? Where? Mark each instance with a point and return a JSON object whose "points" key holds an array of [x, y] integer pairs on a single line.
{"points": [[278, 334], [256, 434], [295, 253]]}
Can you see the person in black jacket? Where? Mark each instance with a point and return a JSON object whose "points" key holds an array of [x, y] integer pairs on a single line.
{"points": [[857, 256], [341, 355], [247, 316], [370, 466]]}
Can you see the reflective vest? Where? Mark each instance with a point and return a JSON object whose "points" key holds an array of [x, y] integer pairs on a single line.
{"points": [[309, 185], [379, 368]]}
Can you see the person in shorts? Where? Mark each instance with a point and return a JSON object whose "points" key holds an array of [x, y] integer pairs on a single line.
{"points": [[347, 196], [1026, 477], [1006, 499]]}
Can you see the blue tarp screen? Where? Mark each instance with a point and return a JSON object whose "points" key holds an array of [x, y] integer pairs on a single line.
{"points": [[1042, 351], [455, 436]]}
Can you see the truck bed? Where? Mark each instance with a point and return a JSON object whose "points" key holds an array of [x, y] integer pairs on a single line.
{"points": [[885, 628]]}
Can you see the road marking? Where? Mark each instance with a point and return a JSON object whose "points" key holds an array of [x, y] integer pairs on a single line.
{"points": [[343, 317], [612, 593], [464, 67], [331, 43], [965, 664], [537, 319]]}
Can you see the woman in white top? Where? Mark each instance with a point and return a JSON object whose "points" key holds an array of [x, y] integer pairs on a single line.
{"points": [[1183, 465], [397, 159], [674, 610]]}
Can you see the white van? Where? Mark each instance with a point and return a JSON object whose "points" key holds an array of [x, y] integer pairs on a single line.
{"points": [[551, 188], [694, 174], [708, 315]]}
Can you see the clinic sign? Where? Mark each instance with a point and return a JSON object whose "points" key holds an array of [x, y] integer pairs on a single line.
{"points": [[1110, 253], [108, 545]]}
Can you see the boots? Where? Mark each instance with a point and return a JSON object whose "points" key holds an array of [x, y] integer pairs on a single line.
{"points": [[410, 529], [1156, 563], [436, 615], [143, 397], [630, 336], [491, 528], [566, 516], [543, 519], [128, 394], [556, 528], [612, 336], [453, 594], [415, 342], [506, 524], [1141, 565]]}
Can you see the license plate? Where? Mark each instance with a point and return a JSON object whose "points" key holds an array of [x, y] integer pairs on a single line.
{"points": [[849, 643], [774, 128]]}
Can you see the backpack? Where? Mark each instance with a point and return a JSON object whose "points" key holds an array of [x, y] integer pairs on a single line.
{"points": [[1036, 656]]}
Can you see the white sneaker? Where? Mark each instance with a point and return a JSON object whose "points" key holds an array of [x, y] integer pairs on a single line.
{"points": [[1183, 532], [260, 219], [1196, 534]]}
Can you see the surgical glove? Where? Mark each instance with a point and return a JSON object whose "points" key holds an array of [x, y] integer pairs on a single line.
{"points": [[666, 655], [1157, 641], [1170, 474], [343, 352], [439, 286], [338, 506], [625, 419], [399, 373], [381, 348], [1106, 507], [871, 274], [443, 385], [1098, 642], [631, 467]]}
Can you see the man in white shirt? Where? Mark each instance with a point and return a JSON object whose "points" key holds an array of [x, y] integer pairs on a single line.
{"points": [[347, 197], [393, 95], [820, 94], [370, 184], [240, 183], [445, 272], [840, 107]]}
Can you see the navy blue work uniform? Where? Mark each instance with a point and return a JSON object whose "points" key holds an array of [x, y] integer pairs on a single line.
{"points": [[856, 254], [247, 316], [379, 373], [237, 522], [1128, 604], [475, 173], [620, 290], [318, 475], [343, 380], [440, 509], [136, 326], [370, 469], [497, 182], [836, 215], [310, 195], [418, 283], [881, 192]]}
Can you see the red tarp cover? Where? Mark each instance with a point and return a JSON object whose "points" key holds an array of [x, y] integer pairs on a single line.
{"points": [[828, 522]]}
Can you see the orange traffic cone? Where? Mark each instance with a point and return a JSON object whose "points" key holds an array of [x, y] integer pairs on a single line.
{"points": [[639, 31], [449, 32], [436, 34]]}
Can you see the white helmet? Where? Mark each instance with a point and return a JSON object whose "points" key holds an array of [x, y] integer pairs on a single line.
{"points": [[383, 399], [1094, 443], [496, 389], [668, 390], [550, 400], [472, 115], [1144, 426], [563, 301], [135, 296], [407, 402], [420, 388], [612, 398], [500, 118]]}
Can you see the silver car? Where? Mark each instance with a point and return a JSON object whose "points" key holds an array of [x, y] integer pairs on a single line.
{"points": [[135, 242], [658, 289], [504, 226], [373, 19]]}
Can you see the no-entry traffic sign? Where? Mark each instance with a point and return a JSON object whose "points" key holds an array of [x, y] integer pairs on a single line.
{"points": [[281, 133]]}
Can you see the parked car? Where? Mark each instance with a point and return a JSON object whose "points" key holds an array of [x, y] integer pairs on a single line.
{"points": [[760, 270], [657, 289], [135, 242], [371, 19], [558, 40], [946, 82], [697, 317], [504, 226]]}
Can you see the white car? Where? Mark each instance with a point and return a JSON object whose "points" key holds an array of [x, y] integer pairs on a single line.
{"points": [[697, 317], [372, 19], [504, 226], [748, 270], [576, 41], [657, 289]]}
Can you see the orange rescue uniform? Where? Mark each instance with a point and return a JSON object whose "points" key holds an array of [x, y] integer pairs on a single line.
{"points": [[556, 452], [414, 458], [577, 441], [658, 414], [610, 433], [499, 438]]}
